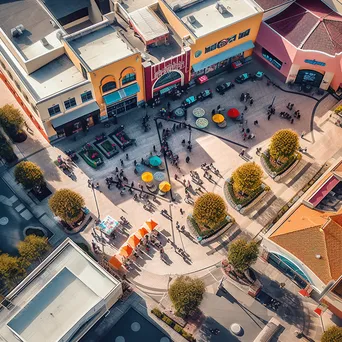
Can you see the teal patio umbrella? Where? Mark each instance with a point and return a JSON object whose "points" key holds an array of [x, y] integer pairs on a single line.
{"points": [[155, 161]]}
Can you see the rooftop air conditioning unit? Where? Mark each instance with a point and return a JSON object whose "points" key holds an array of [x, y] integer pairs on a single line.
{"points": [[53, 23], [221, 7], [59, 35], [17, 31], [44, 42], [191, 19]]}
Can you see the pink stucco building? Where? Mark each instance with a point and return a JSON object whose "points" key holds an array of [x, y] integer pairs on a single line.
{"points": [[302, 41]]}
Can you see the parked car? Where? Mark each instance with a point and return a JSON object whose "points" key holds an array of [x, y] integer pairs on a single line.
{"points": [[243, 78], [222, 88], [204, 95], [189, 101]]}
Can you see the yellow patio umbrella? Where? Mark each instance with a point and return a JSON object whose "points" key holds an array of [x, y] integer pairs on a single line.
{"points": [[147, 177], [164, 186], [218, 118]]}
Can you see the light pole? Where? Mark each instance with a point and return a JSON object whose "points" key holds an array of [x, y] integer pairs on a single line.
{"points": [[189, 134], [273, 101], [98, 215]]}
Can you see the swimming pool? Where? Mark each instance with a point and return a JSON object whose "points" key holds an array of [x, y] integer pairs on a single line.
{"points": [[133, 327]]}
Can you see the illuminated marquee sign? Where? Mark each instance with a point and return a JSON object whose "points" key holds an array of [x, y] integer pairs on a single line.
{"points": [[314, 62]]}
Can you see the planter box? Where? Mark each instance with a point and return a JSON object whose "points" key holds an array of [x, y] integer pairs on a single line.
{"points": [[277, 175], [106, 147], [121, 138], [203, 239], [94, 163]]}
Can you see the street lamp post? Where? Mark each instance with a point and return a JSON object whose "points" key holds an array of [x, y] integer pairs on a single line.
{"points": [[189, 133], [98, 214]]}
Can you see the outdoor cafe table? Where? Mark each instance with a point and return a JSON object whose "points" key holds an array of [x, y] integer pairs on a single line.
{"points": [[179, 112], [202, 123], [108, 225], [198, 112]]}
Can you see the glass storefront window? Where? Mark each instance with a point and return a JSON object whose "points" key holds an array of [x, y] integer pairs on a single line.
{"points": [[272, 59]]}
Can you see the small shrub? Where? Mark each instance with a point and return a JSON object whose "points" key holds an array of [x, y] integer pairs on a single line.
{"points": [[178, 328], [167, 320], [157, 312]]}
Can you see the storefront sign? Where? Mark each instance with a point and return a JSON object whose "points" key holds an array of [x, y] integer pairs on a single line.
{"points": [[175, 65], [314, 62]]}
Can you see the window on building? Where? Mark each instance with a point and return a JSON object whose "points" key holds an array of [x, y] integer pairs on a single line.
{"points": [[70, 103], [86, 96], [55, 109], [210, 48], [244, 33], [25, 97], [17, 85], [129, 78], [108, 86], [3, 65], [34, 108], [232, 39], [10, 75]]}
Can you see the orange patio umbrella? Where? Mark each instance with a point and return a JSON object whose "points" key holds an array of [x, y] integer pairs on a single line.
{"points": [[126, 251], [218, 118], [133, 241], [115, 262], [150, 224], [141, 232]]}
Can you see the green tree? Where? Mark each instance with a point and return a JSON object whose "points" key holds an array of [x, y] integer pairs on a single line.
{"points": [[33, 247], [284, 144], [242, 254], [6, 151], [209, 210], [186, 294], [332, 334], [11, 119], [29, 175], [11, 269], [67, 205], [247, 178]]}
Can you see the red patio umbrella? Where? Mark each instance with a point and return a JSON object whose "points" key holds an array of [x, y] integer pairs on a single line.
{"points": [[233, 113]]}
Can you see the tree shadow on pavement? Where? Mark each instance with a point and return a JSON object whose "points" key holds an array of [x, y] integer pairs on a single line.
{"points": [[204, 334], [291, 309]]}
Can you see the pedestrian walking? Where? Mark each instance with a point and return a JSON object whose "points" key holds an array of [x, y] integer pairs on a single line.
{"points": [[154, 148], [256, 122], [269, 117], [126, 156], [187, 159], [121, 162], [302, 135], [181, 211], [246, 108]]}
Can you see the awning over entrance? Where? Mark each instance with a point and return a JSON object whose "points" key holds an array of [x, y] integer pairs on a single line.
{"points": [[223, 55], [118, 95], [75, 114]]}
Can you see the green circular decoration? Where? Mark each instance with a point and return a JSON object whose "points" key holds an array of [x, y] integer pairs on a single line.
{"points": [[198, 53]]}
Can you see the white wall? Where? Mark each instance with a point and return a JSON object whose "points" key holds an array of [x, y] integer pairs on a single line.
{"points": [[60, 98]]}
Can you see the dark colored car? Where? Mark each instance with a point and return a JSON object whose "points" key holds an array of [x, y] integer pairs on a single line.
{"points": [[243, 78], [189, 101], [205, 95], [222, 88]]}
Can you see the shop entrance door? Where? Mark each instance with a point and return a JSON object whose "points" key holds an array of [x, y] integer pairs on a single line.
{"points": [[122, 106]]}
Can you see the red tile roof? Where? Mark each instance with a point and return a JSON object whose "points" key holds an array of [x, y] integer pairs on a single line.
{"points": [[310, 25]]}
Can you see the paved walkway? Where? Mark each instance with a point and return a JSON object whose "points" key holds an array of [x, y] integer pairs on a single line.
{"points": [[206, 148]]}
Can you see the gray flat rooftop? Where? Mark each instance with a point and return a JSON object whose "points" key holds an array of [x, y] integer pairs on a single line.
{"points": [[148, 24], [36, 22], [154, 54], [83, 276], [101, 47], [133, 5], [62, 8], [55, 310], [208, 18], [50, 79]]}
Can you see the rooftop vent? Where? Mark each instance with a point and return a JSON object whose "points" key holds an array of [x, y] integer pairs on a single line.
{"points": [[222, 7], [191, 19], [17, 31], [44, 42], [318, 256], [59, 35], [53, 23]]}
